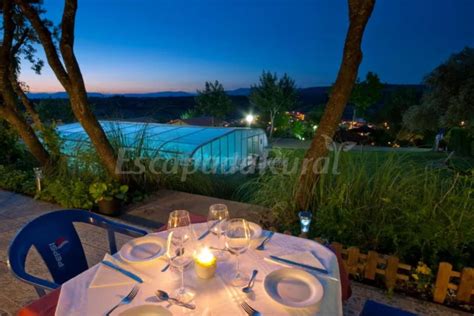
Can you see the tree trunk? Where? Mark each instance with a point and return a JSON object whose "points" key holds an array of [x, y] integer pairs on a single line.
{"points": [[70, 77], [29, 106], [8, 107], [26, 133], [359, 14], [272, 124], [96, 134]]}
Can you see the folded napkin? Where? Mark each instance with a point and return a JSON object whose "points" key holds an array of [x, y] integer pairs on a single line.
{"points": [[304, 257], [106, 276]]}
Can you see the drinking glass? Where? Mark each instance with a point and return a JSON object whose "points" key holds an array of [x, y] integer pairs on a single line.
{"points": [[179, 248], [305, 220], [216, 218], [237, 240], [217, 212]]}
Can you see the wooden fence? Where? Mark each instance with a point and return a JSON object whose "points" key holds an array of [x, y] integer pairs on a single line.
{"points": [[369, 265]]}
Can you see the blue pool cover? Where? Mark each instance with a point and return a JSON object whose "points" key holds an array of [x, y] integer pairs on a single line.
{"points": [[204, 146]]}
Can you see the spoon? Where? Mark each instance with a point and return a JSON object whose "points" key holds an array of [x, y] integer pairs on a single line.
{"points": [[249, 286], [163, 296]]}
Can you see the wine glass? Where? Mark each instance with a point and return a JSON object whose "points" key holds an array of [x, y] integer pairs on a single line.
{"points": [[237, 240], [179, 248], [218, 214]]}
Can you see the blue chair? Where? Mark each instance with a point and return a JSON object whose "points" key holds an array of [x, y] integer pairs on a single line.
{"points": [[56, 240], [372, 308]]}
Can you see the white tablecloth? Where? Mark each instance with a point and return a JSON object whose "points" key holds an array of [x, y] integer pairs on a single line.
{"points": [[214, 296]]}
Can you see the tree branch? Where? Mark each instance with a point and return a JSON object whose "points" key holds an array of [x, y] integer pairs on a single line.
{"points": [[67, 43], [47, 42], [20, 41], [8, 34]]}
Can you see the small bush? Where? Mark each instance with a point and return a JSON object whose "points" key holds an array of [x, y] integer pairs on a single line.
{"points": [[460, 141], [17, 180]]}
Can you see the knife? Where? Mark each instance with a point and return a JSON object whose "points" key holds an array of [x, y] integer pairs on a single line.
{"points": [[209, 230], [298, 264], [123, 271]]}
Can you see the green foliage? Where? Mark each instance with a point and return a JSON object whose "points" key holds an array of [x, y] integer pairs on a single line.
{"points": [[68, 192], [449, 96], [108, 191], [460, 141], [191, 113], [10, 150], [392, 203], [51, 110], [314, 116], [51, 140], [396, 103], [366, 93], [17, 180], [213, 100], [272, 96]]}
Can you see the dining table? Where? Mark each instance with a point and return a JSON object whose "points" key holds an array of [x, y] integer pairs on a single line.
{"points": [[214, 296]]}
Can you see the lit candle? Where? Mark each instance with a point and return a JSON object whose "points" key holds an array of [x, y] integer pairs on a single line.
{"points": [[205, 263]]}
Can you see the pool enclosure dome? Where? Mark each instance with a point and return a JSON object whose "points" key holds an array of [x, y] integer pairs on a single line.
{"points": [[206, 147]]}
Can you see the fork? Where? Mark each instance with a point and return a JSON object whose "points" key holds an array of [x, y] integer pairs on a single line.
{"points": [[126, 300], [249, 310]]}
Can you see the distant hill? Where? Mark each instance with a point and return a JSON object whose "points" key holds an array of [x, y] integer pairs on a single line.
{"points": [[162, 94], [311, 94], [168, 105]]}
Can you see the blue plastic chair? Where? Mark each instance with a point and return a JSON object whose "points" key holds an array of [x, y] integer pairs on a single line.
{"points": [[55, 238]]}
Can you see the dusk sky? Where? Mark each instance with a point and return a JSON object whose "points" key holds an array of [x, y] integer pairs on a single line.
{"points": [[150, 45]]}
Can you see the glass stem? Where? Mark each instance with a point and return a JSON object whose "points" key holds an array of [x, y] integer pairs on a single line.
{"points": [[237, 267], [182, 279]]}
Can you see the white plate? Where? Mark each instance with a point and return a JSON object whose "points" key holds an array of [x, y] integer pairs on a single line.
{"points": [[255, 230], [293, 287], [143, 249], [146, 310]]}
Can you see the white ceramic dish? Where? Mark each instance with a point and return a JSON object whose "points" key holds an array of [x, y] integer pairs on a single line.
{"points": [[143, 249], [293, 287], [146, 310]]}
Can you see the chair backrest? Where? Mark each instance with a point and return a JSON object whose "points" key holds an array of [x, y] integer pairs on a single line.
{"points": [[55, 238]]}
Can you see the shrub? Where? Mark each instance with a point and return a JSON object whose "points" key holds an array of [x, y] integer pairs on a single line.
{"points": [[460, 141], [17, 180], [9, 144]]}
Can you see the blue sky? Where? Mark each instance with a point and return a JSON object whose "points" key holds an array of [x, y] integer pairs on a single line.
{"points": [[156, 45]]}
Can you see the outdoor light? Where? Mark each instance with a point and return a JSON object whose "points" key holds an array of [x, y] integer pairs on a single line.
{"points": [[315, 127], [249, 119], [305, 220]]}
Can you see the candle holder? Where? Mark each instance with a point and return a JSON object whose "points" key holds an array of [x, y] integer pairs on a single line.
{"points": [[205, 263]]}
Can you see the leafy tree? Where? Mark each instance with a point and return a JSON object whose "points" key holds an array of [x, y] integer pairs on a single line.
{"points": [[365, 94], [449, 97], [359, 14], [314, 116], [189, 114], [273, 96], [213, 101], [62, 60], [395, 105]]}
